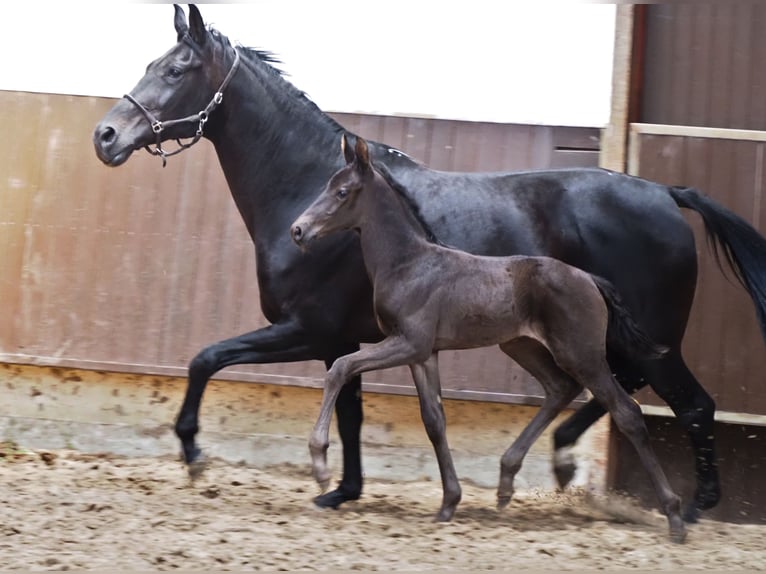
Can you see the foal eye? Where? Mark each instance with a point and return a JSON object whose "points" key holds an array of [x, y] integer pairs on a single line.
{"points": [[342, 193]]}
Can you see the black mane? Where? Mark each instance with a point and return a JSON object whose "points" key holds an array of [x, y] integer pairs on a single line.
{"points": [[270, 63], [406, 198]]}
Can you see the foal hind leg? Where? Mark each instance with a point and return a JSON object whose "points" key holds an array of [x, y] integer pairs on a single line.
{"points": [[426, 377], [567, 433], [628, 417], [560, 390], [672, 380]]}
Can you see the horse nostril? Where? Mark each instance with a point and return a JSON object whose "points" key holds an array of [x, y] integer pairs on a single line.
{"points": [[107, 135], [297, 233]]}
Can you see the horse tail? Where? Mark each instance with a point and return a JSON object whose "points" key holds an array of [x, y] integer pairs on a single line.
{"points": [[622, 332], [743, 248]]}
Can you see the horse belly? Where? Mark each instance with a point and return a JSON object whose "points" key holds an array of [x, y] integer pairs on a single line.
{"points": [[468, 328]]}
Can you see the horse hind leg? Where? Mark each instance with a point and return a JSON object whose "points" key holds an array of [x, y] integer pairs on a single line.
{"points": [[426, 377], [560, 390], [628, 417], [672, 380]]}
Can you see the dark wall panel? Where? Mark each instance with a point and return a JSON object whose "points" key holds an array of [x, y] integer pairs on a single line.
{"points": [[741, 464], [723, 344], [703, 64]]}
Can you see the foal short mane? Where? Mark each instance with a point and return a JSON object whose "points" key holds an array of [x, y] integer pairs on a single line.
{"points": [[409, 203]]}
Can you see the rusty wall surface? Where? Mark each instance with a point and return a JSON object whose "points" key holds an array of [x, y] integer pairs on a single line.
{"points": [[703, 64], [137, 268], [723, 345]]}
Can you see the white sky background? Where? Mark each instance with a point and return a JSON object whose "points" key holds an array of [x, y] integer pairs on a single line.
{"points": [[539, 62]]}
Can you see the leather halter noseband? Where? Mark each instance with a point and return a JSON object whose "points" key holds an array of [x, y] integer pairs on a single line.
{"points": [[159, 126]]}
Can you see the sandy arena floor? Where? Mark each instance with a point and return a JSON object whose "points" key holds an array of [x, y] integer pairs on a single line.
{"points": [[65, 510]]}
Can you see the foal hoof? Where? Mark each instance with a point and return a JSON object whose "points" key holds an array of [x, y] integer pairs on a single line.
{"points": [[678, 537], [334, 499], [196, 467], [503, 501], [678, 534], [444, 515]]}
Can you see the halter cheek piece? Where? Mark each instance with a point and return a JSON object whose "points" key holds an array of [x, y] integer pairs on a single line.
{"points": [[201, 117]]}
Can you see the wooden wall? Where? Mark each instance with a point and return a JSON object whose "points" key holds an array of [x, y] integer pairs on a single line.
{"points": [[137, 268]]}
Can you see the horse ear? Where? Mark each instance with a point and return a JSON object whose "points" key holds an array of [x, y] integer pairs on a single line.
{"points": [[362, 154], [348, 151], [180, 22], [197, 29]]}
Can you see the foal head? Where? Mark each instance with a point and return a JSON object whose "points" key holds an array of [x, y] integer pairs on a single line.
{"points": [[337, 207]]}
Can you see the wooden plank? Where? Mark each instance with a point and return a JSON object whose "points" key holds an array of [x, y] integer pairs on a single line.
{"points": [[729, 417], [698, 132]]}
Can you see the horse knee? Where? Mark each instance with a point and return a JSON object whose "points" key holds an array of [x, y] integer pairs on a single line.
{"points": [[204, 364], [510, 463], [629, 419]]}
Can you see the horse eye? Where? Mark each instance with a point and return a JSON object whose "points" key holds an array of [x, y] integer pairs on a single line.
{"points": [[342, 193], [175, 72]]}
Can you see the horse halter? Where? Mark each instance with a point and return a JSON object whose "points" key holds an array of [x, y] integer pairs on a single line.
{"points": [[159, 126]]}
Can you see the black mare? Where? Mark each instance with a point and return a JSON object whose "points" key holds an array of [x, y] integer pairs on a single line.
{"points": [[277, 149]]}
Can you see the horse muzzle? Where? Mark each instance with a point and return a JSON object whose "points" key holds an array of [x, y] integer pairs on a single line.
{"points": [[303, 233]]}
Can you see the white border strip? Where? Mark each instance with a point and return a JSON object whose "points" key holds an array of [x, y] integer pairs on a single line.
{"points": [[728, 417], [698, 132]]}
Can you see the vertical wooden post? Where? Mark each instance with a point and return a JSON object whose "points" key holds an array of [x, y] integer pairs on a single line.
{"points": [[614, 138], [613, 155]]}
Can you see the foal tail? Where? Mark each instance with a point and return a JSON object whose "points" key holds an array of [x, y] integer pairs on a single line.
{"points": [[622, 332], [743, 248]]}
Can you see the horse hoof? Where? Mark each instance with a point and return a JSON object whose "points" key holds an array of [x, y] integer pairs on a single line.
{"points": [[334, 499], [196, 467], [678, 535], [503, 501], [692, 514], [444, 515], [564, 466]]}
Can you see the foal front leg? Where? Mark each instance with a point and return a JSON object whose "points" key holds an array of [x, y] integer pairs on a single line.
{"points": [[426, 377], [391, 352]]}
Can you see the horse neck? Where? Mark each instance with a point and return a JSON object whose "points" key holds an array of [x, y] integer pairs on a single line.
{"points": [[390, 233], [276, 149]]}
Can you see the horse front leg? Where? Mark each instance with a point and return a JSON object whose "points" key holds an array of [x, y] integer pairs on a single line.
{"points": [[281, 342], [426, 377], [391, 352]]}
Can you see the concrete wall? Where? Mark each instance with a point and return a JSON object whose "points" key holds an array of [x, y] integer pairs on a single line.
{"points": [[265, 425]]}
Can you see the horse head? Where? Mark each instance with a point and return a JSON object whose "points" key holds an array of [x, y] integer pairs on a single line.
{"points": [[334, 209], [173, 100]]}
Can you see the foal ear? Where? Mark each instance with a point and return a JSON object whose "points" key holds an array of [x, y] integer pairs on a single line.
{"points": [[180, 22], [362, 154], [197, 29], [348, 151]]}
